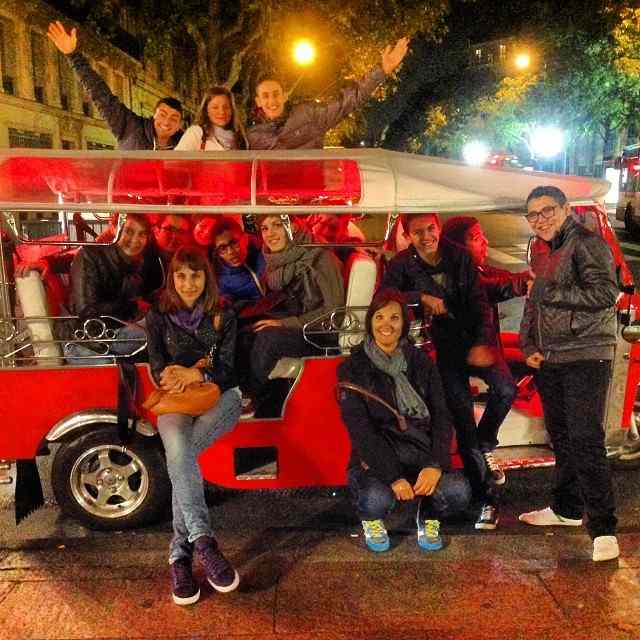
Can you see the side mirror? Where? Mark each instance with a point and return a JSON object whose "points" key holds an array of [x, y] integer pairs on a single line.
{"points": [[631, 333]]}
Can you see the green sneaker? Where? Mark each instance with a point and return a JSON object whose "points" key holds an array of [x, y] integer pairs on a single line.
{"points": [[429, 535], [375, 535]]}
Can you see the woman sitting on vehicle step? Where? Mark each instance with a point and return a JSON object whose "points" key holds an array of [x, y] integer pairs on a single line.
{"points": [[400, 451], [189, 323]]}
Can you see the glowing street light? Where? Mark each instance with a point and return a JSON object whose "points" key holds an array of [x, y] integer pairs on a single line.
{"points": [[522, 61], [304, 53], [547, 142], [475, 153]]}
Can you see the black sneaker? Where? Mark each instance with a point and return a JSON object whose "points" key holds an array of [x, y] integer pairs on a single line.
{"points": [[496, 474], [220, 573], [488, 518], [184, 588]]}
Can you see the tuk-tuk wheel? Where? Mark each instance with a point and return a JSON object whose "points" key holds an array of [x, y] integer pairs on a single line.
{"points": [[104, 487]]}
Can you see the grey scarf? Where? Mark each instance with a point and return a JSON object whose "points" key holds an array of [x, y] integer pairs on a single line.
{"points": [[293, 263], [410, 403]]}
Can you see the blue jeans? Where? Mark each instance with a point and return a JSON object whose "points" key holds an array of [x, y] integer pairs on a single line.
{"points": [[375, 500], [184, 439]]}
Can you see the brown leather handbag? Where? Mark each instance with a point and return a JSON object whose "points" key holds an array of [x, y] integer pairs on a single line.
{"points": [[196, 399]]}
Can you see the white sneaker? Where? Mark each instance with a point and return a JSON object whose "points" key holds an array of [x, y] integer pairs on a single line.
{"points": [[605, 548], [547, 517]]}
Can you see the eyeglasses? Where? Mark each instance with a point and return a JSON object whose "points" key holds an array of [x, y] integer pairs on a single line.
{"points": [[546, 212], [223, 248]]}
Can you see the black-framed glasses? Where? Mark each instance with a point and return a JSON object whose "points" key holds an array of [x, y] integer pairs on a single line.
{"points": [[545, 212], [225, 247]]}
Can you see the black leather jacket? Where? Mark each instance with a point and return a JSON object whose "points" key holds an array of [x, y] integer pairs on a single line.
{"points": [[570, 314], [167, 343], [105, 282], [469, 321], [375, 438]]}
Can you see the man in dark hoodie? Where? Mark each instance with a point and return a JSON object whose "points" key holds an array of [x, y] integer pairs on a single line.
{"points": [[280, 125], [133, 132], [568, 335]]}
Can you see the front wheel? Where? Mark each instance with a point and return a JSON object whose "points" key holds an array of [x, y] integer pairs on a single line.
{"points": [[105, 487]]}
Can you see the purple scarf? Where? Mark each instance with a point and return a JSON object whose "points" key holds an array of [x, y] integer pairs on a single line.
{"points": [[189, 319]]}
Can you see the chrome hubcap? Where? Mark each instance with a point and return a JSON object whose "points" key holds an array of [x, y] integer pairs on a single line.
{"points": [[109, 482]]}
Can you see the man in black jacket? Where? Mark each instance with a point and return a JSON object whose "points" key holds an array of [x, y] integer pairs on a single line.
{"points": [[568, 335], [160, 132], [445, 288], [113, 281]]}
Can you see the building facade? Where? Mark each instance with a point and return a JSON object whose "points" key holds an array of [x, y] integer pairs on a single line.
{"points": [[43, 105]]}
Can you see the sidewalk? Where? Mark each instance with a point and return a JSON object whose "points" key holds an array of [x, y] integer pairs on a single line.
{"points": [[306, 575]]}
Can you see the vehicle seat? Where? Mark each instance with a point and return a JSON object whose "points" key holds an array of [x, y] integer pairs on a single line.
{"points": [[360, 282], [34, 304]]}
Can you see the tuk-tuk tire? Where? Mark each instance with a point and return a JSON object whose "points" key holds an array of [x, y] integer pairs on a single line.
{"points": [[149, 488]]}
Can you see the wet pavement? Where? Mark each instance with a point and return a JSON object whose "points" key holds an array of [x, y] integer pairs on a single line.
{"points": [[306, 575]]}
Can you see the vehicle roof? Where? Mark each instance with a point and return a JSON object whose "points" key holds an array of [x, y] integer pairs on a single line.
{"points": [[331, 180]]}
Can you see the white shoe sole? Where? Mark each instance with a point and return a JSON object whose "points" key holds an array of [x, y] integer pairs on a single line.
{"points": [[186, 601], [487, 526], [232, 587], [558, 522]]}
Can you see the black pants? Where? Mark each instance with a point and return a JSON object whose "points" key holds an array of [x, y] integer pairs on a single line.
{"points": [[472, 439], [574, 397], [269, 345]]}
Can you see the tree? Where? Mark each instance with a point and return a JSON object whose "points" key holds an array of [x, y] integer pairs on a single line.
{"points": [[231, 43]]}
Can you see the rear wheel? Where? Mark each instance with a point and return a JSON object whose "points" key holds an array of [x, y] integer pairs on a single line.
{"points": [[106, 487]]}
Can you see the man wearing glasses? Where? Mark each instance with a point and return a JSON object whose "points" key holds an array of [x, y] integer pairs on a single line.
{"points": [[568, 334], [239, 263]]}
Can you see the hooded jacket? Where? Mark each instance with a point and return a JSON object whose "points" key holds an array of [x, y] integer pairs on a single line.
{"points": [[375, 438], [130, 130], [303, 125], [570, 314]]}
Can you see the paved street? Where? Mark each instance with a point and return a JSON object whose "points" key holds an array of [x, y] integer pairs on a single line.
{"points": [[305, 574]]}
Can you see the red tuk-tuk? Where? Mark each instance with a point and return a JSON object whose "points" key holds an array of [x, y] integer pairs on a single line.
{"points": [[49, 404]]}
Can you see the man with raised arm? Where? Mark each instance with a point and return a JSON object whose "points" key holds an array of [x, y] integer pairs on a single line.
{"points": [[568, 335], [132, 131], [281, 125]]}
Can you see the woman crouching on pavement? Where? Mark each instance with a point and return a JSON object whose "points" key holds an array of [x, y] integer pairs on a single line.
{"points": [[189, 322], [400, 452]]}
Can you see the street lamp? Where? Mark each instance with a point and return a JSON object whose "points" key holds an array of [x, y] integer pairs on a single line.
{"points": [[547, 142], [522, 61], [475, 153], [304, 53]]}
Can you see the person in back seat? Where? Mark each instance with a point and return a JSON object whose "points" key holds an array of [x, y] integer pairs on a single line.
{"points": [[110, 281], [335, 229], [239, 264], [310, 280], [443, 282], [394, 460]]}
